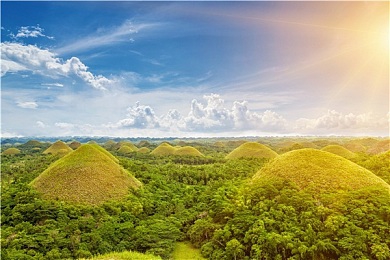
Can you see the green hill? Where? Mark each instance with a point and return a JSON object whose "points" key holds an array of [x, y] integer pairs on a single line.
{"points": [[339, 150], [144, 150], [164, 149], [109, 145], [380, 147], [251, 150], [125, 150], [33, 143], [318, 172], [187, 151], [74, 145], [58, 147], [11, 151], [126, 143], [355, 147], [87, 175]]}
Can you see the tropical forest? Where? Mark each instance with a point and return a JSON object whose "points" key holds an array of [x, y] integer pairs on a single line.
{"points": [[201, 198]]}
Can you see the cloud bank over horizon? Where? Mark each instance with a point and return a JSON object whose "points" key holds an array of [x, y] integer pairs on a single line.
{"points": [[194, 69]]}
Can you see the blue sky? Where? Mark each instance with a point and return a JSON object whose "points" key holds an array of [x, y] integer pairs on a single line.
{"points": [[164, 69]]}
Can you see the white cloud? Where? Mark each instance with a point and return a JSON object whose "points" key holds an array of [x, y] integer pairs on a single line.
{"points": [[53, 85], [63, 125], [104, 37], [30, 31], [27, 104], [333, 120], [9, 135], [210, 117], [17, 57], [139, 116], [40, 124]]}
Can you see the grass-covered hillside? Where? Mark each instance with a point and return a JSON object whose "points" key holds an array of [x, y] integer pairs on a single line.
{"points": [[164, 149], [86, 175], [187, 151], [252, 150], [339, 150], [11, 151], [319, 172], [58, 147]]}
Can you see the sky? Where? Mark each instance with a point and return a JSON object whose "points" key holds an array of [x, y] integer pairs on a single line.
{"points": [[194, 69]]}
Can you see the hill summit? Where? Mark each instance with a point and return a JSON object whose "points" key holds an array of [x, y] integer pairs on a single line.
{"points": [[318, 172], [187, 151], [87, 175], [339, 150], [252, 150], [58, 147]]}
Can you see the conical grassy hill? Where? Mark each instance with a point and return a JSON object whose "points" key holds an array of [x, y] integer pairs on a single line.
{"points": [[355, 147], [251, 150], [187, 151], [74, 145], [144, 150], [128, 144], [164, 149], [87, 176], [11, 151], [33, 143], [380, 147], [339, 150], [58, 147], [318, 172], [125, 150]]}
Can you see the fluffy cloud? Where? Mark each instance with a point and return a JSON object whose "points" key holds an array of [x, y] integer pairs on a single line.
{"points": [[139, 116], [17, 57], [40, 124], [211, 116], [333, 120], [27, 104], [30, 31]]}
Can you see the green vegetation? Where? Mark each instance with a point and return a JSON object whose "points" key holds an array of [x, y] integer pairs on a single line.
{"points": [[304, 204], [144, 150], [11, 151], [58, 148], [126, 255], [252, 150], [125, 150], [339, 150], [184, 250], [355, 147], [318, 172], [86, 175], [380, 147], [164, 149], [187, 151], [128, 144]]}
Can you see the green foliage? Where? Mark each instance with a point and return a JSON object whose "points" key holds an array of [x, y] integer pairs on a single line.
{"points": [[86, 175], [126, 255], [318, 172], [184, 250], [11, 151], [209, 202]]}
